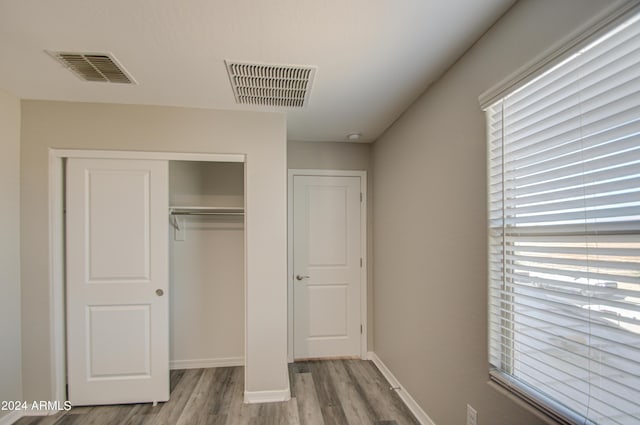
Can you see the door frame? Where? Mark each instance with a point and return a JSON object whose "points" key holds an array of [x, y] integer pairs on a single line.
{"points": [[57, 248], [363, 251]]}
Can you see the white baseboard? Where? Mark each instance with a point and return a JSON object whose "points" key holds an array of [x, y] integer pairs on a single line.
{"points": [[252, 397], [206, 363], [11, 417], [415, 408]]}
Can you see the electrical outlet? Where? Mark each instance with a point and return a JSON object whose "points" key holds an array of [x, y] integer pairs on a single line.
{"points": [[472, 416]]}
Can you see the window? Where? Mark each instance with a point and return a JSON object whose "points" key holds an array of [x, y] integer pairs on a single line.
{"points": [[564, 230]]}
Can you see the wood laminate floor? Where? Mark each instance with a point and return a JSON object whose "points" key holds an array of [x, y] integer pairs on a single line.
{"points": [[327, 392]]}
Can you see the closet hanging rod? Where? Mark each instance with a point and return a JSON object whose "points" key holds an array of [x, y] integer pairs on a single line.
{"points": [[207, 212], [221, 211]]}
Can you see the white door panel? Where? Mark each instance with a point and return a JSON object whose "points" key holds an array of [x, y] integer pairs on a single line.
{"points": [[118, 202], [117, 281], [327, 216], [119, 342], [326, 257], [322, 324]]}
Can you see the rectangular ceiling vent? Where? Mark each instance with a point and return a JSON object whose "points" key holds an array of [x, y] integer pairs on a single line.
{"points": [[286, 86], [100, 67]]}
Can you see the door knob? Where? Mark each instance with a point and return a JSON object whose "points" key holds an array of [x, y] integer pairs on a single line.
{"points": [[300, 277], [159, 292]]}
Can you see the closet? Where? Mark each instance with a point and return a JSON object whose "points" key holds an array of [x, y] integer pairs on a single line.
{"points": [[154, 276], [206, 274]]}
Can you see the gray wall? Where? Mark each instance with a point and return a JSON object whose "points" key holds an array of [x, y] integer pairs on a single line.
{"points": [[341, 156], [430, 250], [10, 353]]}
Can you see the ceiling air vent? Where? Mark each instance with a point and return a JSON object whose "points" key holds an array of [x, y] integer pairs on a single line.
{"points": [[285, 86], [99, 67]]}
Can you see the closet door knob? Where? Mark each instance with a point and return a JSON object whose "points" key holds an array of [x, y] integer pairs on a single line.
{"points": [[159, 292], [300, 277]]}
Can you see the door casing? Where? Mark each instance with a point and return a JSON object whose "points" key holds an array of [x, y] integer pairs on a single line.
{"points": [[363, 244]]}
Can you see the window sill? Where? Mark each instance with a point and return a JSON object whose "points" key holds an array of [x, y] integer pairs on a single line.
{"points": [[505, 386]]}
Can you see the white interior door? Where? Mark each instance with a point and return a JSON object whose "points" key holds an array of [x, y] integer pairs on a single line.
{"points": [[326, 266], [117, 281]]}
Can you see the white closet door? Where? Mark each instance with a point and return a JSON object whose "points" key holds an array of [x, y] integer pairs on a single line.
{"points": [[117, 281]]}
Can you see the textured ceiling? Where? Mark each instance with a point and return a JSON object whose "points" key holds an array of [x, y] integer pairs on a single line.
{"points": [[373, 57]]}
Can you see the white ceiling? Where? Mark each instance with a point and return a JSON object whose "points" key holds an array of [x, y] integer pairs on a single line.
{"points": [[374, 57]]}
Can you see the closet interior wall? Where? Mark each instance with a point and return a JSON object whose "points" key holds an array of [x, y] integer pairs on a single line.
{"points": [[207, 266]]}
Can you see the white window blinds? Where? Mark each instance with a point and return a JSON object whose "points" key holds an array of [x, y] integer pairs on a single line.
{"points": [[564, 211]]}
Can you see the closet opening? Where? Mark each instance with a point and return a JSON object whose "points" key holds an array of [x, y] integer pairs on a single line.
{"points": [[206, 261], [206, 274]]}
